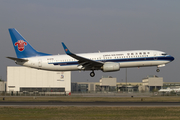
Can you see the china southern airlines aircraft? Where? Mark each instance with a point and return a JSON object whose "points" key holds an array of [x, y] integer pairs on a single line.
{"points": [[105, 61]]}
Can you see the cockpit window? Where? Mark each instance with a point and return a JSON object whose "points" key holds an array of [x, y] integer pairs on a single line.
{"points": [[164, 54]]}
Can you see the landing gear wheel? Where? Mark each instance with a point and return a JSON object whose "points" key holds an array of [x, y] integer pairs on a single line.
{"points": [[158, 70], [92, 74]]}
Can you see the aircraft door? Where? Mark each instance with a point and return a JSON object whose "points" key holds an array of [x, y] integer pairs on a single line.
{"points": [[155, 56], [39, 63], [103, 59]]}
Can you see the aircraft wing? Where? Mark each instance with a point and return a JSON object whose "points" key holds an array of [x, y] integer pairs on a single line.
{"points": [[17, 59], [85, 62]]}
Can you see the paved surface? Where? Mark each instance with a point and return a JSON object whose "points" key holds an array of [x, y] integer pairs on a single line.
{"points": [[95, 104]]}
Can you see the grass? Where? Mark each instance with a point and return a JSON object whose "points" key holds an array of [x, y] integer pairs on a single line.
{"points": [[89, 113], [93, 99]]}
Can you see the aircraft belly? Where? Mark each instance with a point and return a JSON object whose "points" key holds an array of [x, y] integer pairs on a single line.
{"points": [[68, 68], [159, 62], [60, 68], [142, 64]]}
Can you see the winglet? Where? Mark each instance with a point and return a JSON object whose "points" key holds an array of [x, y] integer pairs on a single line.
{"points": [[66, 49]]}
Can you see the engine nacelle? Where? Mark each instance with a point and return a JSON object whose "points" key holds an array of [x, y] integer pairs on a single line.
{"points": [[110, 67]]}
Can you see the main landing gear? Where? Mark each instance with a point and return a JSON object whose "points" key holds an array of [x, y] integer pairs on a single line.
{"points": [[92, 74]]}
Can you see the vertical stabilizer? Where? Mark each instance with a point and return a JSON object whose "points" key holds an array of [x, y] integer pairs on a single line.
{"points": [[22, 47]]}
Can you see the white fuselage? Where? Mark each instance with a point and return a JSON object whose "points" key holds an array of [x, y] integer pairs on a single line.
{"points": [[169, 90], [137, 58]]}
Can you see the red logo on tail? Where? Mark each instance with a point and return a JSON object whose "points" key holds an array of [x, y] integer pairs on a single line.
{"points": [[20, 44]]}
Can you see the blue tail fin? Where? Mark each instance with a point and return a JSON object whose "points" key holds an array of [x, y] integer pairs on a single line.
{"points": [[22, 47]]}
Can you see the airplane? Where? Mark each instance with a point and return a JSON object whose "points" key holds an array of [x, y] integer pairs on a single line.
{"points": [[169, 90], [104, 61]]}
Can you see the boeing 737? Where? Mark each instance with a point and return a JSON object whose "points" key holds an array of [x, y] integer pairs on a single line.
{"points": [[105, 61]]}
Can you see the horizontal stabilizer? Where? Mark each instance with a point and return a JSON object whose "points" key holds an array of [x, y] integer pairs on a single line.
{"points": [[18, 59]]}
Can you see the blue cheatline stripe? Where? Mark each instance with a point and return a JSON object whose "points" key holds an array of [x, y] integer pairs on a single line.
{"points": [[160, 58], [65, 63]]}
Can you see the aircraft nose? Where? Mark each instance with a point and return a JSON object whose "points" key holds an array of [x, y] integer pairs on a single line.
{"points": [[172, 58]]}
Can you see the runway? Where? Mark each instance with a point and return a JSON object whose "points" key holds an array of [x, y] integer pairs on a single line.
{"points": [[93, 104]]}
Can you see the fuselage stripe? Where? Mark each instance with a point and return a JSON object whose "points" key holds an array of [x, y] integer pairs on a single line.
{"points": [[157, 58]]}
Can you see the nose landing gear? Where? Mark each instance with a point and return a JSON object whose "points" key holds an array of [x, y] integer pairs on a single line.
{"points": [[157, 70]]}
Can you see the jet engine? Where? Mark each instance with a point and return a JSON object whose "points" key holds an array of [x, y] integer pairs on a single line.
{"points": [[110, 67]]}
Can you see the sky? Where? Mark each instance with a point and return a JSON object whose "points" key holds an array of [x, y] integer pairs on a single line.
{"points": [[92, 26]]}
